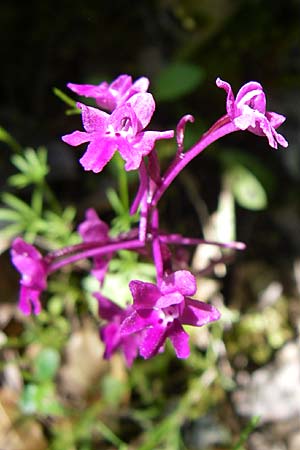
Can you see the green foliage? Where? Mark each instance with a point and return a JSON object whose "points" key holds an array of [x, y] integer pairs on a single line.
{"points": [[176, 80], [68, 101], [247, 190], [9, 140], [46, 364], [32, 166]]}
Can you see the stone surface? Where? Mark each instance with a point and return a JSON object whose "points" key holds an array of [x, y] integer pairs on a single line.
{"points": [[273, 392]]}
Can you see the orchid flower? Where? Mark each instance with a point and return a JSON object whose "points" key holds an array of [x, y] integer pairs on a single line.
{"points": [[248, 112], [111, 96], [93, 229], [29, 262], [122, 131], [161, 311], [110, 333]]}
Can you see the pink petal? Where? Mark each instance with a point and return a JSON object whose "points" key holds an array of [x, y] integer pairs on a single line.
{"points": [[198, 313], [230, 97], [93, 228], [143, 105], [275, 119], [145, 295], [107, 309], [130, 348], [121, 84], [111, 337], [98, 154], [180, 340], [88, 90], [93, 119], [29, 298], [252, 94], [141, 84], [76, 138], [139, 320], [152, 341], [182, 280], [173, 298]]}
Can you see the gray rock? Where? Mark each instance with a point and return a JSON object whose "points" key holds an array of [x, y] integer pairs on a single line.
{"points": [[273, 392]]}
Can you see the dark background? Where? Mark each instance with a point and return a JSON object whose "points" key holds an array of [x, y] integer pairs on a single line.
{"points": [[47, 44]]}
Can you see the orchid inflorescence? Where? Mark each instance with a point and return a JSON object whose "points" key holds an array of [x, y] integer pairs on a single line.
{"points": [[160, 310]]}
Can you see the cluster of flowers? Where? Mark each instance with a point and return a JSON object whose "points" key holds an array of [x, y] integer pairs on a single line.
{"points": [[160, 310]]}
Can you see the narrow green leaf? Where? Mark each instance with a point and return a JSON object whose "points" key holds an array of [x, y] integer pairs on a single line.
{"points": [[9, 215], [9, 140], [17, 204], [64, 97], [115, 201]]}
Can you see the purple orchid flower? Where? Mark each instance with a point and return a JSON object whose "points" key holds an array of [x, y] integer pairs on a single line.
{"points": [[248, 112], [110, 333], [93, 229], [161, 311], [111, 96], [29, 262], [122, 131]]}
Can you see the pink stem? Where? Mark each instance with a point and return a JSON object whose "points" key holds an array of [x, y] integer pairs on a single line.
{"points": [[215, 133], [182, 240], [106, 249]]}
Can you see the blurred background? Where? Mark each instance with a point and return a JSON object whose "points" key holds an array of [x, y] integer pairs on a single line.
{"points": [[243, 377]]}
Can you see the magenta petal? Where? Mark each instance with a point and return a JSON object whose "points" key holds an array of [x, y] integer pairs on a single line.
{"points": [[275, 119], [182, 281], [29, 262], [107, 309], [174, 298], [198, 313], [138, 321], [93, 228], [141, 146], [145, 295], [121, 84], [152, 341], [252, 94], [88, 90], [230, 97], [143, 105], [180, 340], [93, 119], [98, 154], [141, 84], [124, 120], [111, 337], [281, 140], [76, 138], [29, 298], [130, 348]]}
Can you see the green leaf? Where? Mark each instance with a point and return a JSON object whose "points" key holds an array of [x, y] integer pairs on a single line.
{"points": [[17, 204], [46, 364], [233, 156], [65, 98], [32, 165], [177, 80], [247, 190], [9, 215], [40, 399], [9, 140]]}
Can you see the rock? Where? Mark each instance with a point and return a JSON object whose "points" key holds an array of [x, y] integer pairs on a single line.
{"points": [[273, 392]]}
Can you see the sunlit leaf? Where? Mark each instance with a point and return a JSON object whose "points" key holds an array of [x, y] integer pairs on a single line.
{"points": [[46, 364], [177, 80], [248, 191]]}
